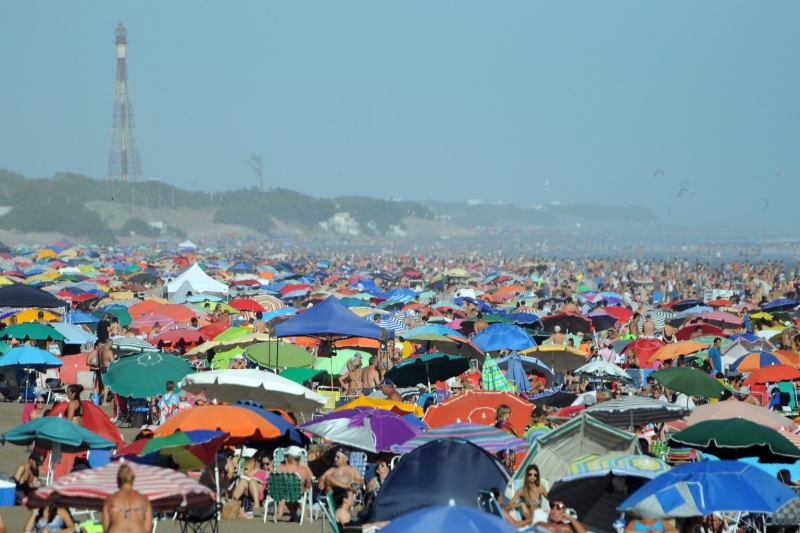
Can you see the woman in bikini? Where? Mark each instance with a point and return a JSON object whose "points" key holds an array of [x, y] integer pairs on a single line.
{"points": [[530, 495], [75, 405], [127, 511]]}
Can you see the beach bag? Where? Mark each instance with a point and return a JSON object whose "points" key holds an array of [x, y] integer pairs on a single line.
{"points": [[230, 511]]}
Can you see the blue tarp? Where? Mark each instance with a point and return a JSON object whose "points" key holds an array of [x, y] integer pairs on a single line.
{"points": [[328, 319]]}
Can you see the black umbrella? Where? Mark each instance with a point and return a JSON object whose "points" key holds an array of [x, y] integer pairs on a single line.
{"points": [[557, 399], [683, 305], [568, 322]]}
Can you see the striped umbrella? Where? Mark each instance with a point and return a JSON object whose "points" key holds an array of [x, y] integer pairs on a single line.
{"points": [[659, 318], [493, 378], [632, 411], [132, 344], [268, 302], [166, 489], [489, 438], [755, 360], [389, 323], [148, 321], [619, 464]]}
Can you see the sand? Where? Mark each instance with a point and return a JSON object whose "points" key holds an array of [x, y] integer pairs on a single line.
{"points": [[12, 456]]}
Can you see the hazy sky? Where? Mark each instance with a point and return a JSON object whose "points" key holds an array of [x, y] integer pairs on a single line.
{"points": [[422, 100]]}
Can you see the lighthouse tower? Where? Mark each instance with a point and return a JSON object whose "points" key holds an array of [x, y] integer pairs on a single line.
{"points": [[123, 155]]}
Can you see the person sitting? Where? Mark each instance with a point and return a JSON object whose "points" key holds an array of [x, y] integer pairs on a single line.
{"points": [[785, 477], [538, 423], [293, 463], [374, 485], [649, 525], [530, 495], [252, 482], [498, 496], [387, 387], [26, 476], [75, 406], [127, 510], [560, 521], [341, 474], [344, 499], [50, 519], [38, 410]]}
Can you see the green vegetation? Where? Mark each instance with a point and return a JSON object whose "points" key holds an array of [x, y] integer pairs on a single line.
{"points": [[137, 226]]}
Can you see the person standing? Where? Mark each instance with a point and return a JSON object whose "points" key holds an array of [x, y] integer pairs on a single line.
{"points": [[169, 403], [715, 357], [127, 510], [371, 376]]}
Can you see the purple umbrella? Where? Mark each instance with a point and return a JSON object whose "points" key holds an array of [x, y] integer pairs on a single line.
{"points": [[366, 428]]}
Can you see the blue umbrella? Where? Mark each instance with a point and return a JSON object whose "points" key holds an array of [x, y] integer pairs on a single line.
{"points": [[503, 337], [781, 304], [449, 518], [432, 329], [763, 359], [515, 372], [30, 357], [699, 489], [530, 365]]}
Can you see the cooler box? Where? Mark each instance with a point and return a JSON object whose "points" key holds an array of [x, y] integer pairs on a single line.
{"points": [[8, 490]]}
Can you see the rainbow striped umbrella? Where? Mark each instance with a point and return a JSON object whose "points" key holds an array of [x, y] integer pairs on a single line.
{"points": [[619, 464], [166, 489], [489, 438]]}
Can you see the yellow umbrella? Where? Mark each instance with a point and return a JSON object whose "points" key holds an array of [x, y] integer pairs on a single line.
{"points": [[30, 315], [400, 408], [122, 295], [364, 311], [5, 281], [761, 315]]}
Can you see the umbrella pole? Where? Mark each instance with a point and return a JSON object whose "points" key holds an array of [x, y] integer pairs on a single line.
{"points": [[216, 483]]}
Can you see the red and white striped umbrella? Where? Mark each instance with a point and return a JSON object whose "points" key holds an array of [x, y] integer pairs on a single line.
{"points": [[148, 321], [269, 303], [166, 489]]}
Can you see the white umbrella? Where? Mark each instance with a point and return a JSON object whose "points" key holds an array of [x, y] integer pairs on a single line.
{"points": [[603, 370], [270, 390]]}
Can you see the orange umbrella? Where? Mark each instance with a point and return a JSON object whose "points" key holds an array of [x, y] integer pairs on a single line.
{"points": [[143, 308], [400, 408], [242, 424], [772, 374], [180, 313], [792, 357], [508, 289], [479, 407], [673, 351]]}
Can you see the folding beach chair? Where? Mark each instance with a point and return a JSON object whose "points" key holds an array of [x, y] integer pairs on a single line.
{"points": [[287, 487]]}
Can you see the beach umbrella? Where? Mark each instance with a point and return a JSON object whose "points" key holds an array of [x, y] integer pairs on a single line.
{"points": [[365, 428], [772, 374], [591, 483], [166, 489], [503, 337], [132, 344], [529, 365], [427, 368], [781, 304], [449, 518], [556, 399], [266, 388], [727, 410], [643, 348], [603, 370], [288, 430], [630, 411], [702, 488], [29, 357], [516, 372], [434, 329], [678, 349], [192, 450], [246, 304], [400, 408], [479, 407], [492, 377], [56, 433], [737, 437], [242, 425], [489, 438], [122, 314], [659, 317], [568, 322], [279, 354], [177, 337], [145, 375], [756, 360], [689, 381], [602, 321], [31, 331], [302, 375], [721, 319], [623, 314], [559, 358]]}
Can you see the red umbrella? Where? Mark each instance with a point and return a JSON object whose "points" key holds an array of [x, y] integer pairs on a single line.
{"points": [[246, 304], [644, 350], [166, 489], [187, 337], [772, 374], [623, 314], [685, 333], [479, 407]]}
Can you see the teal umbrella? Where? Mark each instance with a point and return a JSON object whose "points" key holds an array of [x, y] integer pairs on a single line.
{"points": [[31, 331], [493, 378], [52, 432], [301, 375], [145, 375]]}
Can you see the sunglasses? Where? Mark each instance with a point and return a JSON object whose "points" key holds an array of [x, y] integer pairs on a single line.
{"points": [[559, 506], [266, 463], [39, 403]]}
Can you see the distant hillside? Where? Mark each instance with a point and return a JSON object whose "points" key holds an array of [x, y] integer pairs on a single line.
{"points": [[103, 211]]}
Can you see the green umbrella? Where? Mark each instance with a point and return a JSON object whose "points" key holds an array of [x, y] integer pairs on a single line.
{"points": [[274, 354], [690, 381], [4, 347], [121, 313], [31, 331], [231, 334], [737, 437], [221, 359], [145, 375], [52, 432], [489, 319], [427, 368], [333, 365], [493, 378], [301, 375]]}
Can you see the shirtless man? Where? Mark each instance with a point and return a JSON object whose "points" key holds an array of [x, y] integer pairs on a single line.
{"points": [[387, 387], [371, 376], [560, 521], [557, 337], [292, 464], [649, 327], [259, 326], [480, 324], [27, 476], [341, 474]]}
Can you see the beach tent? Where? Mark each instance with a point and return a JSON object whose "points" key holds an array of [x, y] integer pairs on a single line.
{"points": [[434, 474], [198, 281], [329, 319], [26, 296], [583, 435]]}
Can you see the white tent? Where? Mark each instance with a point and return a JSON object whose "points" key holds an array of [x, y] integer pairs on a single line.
{"points": [[187, 244], [199, 281]]}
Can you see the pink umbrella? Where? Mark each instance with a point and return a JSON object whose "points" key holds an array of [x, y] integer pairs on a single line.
{"points": [[732, 409], [166, 489]]}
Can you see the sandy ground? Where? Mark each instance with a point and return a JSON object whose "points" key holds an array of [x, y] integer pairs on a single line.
{"points": [[14, 517]]}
